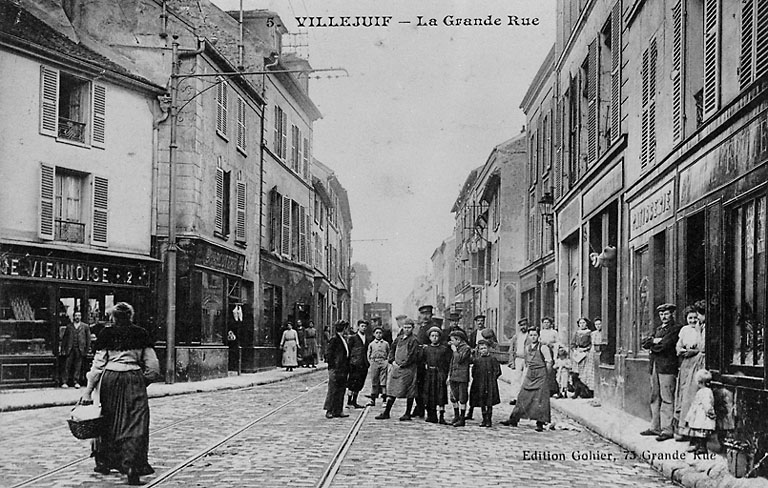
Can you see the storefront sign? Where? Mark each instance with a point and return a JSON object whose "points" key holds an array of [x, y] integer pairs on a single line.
{"points": [[652, 210], [569, 219], [604, 189], [46, 268], [742, 151], [219, 259]]}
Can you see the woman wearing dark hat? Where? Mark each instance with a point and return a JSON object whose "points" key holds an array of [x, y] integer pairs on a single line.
{"points": [[123, 365], [533, 399], [437, 360]]}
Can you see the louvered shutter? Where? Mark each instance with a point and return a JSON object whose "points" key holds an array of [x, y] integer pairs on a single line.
{"points": [[47, 196], [303, 234], [746, 69], [711, 57], [677, 71], [276, 222], [241, 127], [616, 48], [652, 62], [558, 149], [218, 222], [222, 98], [49, 101], [241, 201], [592, 81], [283, 135], [100, 220], [305, 158], [295, 148], [276, 141], [761, 38], [285, 235], [98, 115]]}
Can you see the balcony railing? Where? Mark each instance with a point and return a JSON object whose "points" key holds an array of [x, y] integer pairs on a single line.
{"points": [[71, 129], [70, 231]]}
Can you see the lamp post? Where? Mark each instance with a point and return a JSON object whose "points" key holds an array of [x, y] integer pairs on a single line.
{"points": [[171, 252]]}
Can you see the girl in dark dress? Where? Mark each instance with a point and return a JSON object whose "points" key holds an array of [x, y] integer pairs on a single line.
{"points": [[484, 392], [437, 356], [124, 364], [533, 399]]}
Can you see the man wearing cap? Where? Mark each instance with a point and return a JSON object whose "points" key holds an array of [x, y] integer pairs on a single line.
{"points": [[337, 357], [426, 322], [481, 333], [358, 363], [663, 368], [403, 357]]}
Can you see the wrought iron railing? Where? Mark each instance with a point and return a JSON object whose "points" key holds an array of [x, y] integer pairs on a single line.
{"points": [[71, 129], [70, 231]]}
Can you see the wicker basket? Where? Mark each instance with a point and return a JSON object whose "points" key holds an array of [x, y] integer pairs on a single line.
{"points": [[86, 429]]}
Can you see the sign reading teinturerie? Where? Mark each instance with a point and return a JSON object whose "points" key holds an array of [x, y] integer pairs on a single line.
{"points": [[47, 268], [652, 210]]}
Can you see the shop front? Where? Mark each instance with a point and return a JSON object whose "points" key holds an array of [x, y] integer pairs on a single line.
{"points": [[41, 289]]}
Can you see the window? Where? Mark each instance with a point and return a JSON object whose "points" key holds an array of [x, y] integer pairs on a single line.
{"points": [[281, 135], [531, 225], [295, 231], [677, 71], [532, 172], [592, 92], [242, 133], [241, 215], [221, 219], [613, 41], [754, 41], [711, 95], [222, 99], [275, 220], [305, 158], [546, 145], [69, 224], [285, 228], [212, 308], [747, 276], [648, 118], [72, 108], [295, 148]]}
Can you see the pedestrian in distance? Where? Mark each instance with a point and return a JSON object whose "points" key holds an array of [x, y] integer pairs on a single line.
{"points": [[485, 387], [404, 361], [458, 376], [663, 369], [437, 361], [378, 353], [310, 345], [75, 346], [533, 399], [337, 357], [289, 345], [582, 359], [358, 363], [124, 364]]}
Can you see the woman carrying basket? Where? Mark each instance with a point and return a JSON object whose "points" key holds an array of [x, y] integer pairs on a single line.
{"points": [[123, 365]]}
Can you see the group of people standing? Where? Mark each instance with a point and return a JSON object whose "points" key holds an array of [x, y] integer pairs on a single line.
{"points": [[299, 346]]}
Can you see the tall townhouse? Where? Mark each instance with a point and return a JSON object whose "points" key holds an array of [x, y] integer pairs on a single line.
{"points": [[442, 272], [489, 249], [217, 160], [697, 190], [76, 166]]}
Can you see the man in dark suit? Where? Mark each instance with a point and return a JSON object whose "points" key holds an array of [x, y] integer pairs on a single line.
{"points": [[337, 357], [663, 368], [75, 346], [358, 363]]}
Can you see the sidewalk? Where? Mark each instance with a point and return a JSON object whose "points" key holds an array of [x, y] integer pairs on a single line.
{"points": [[22, 399], [668, 457]]}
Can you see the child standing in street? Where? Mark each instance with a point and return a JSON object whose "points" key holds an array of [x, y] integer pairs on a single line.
{"points": [[458, 376], [378, 352], [437, 359], [485, 386], [563, 367], [700, 420]]}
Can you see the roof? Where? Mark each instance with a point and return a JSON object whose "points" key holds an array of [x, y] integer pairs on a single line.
{"points": [[545, 70], [465, 188], [19, 27]]}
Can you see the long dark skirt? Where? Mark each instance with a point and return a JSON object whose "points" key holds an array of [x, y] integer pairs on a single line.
{"points": [[435, 391], [124, 406], [357, 376], [533, 399]]}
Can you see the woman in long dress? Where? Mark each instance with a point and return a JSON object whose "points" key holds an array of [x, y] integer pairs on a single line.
{"points": [[533, 399], [582, 359], [690, 348], [123, 365], [289, 344], [310, 346]]}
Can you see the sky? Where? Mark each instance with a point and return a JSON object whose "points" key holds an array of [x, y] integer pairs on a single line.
{"points": [[422, 106]]}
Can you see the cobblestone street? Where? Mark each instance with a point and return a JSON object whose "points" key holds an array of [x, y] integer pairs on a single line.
{"points": [[295, 445]]}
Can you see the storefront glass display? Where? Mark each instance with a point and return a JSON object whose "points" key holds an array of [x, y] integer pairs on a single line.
{"points": [[25, 320]]}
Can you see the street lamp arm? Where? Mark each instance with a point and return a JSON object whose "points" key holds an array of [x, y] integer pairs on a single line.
{"points": [[199, 93]]}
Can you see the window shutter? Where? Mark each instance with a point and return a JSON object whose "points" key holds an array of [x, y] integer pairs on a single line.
{"points": [[303, 234], [295, 148], [746, 68], [711, 57], [275, 208], [99, 115], [285, 240], [241, 211], [283, 135], [592, 81], [305, 158], [276, 142], [241, 132], [221, 106], [761, 38], [677, 71], [47, 195], [652, 102], [99, 231], [616, 47], [49, 101], [218, 222], [558, 149]]}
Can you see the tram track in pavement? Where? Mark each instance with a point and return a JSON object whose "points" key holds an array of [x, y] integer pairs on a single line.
{"points": [[175, 423]]}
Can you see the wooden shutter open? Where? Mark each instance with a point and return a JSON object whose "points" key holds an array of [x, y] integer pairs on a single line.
{"points": [[302, 234], [558, 149], [241, 126], [241, 202], [652, 62], [747, 57], [98, 115], [761, 38], [222, 97], [677, 71], [593, 73], [218, 220], [100, 220], [711, 96], [283, 135], [305, 158], [45, 228], [276, 141], [285, 234], [616, 47], [49, 101]]}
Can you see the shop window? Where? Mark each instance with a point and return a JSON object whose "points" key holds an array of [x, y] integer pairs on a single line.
{"points": [[747, 278], [25, 320], [212, 308]]}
